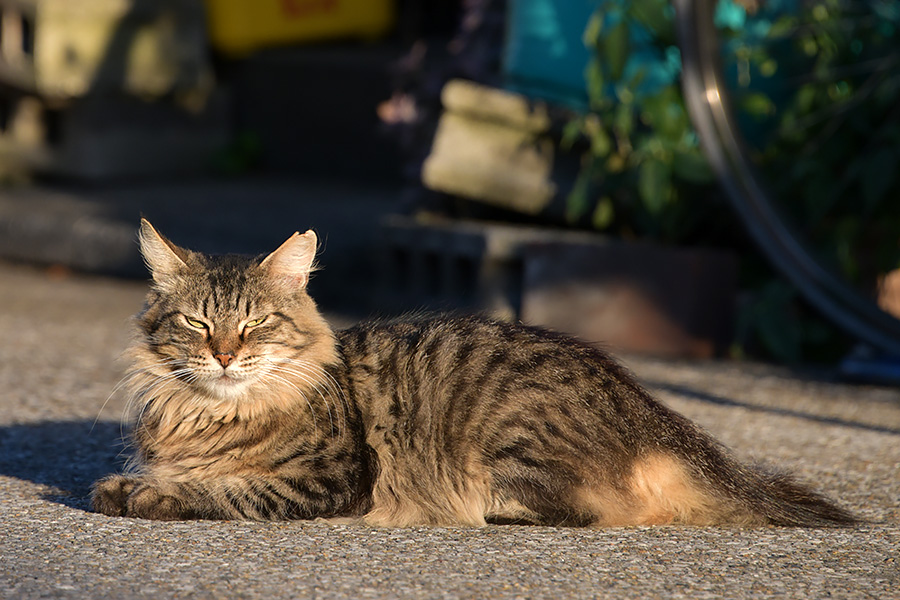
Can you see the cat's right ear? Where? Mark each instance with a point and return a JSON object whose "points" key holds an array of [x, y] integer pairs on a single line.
{"points": [[293, 260], [164, 259]]}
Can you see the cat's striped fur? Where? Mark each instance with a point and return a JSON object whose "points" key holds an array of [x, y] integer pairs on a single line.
{"points": [[448, 420]]}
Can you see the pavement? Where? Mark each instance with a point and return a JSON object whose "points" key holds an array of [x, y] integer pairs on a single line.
{"points": [[62, 332]]}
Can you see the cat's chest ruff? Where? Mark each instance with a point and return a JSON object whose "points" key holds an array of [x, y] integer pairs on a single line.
{"points": [[203, 445]]}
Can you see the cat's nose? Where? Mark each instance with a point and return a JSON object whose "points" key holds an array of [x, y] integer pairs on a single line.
{"points": [[224, 359]]}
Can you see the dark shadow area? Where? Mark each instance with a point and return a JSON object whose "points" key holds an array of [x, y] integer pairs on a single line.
{"points": [[692, 394], [66, 455]]}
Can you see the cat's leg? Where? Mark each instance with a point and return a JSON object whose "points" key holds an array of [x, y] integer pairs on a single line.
{"points": [[252, 497], [408, 493]]}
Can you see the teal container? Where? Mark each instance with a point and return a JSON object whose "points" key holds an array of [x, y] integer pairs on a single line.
{"points": [[544, 55]]}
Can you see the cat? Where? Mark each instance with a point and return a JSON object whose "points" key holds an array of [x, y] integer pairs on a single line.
{"points": [[249, 406]]}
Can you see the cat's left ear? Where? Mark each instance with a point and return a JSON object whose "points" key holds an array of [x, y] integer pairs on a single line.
{"points": [[293, 260], [164, 259]]}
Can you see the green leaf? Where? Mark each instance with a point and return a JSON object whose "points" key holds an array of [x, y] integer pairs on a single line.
{"points": [[757, 104], [596, 86], [805, 97], [577, 202], [654, 184], [615, 48], [623, 120], [604, 213], [655, 15], [664, 112], [783, 27], [570, 133], [601, 144], [692, 166], [768, 67], [593, 30]]}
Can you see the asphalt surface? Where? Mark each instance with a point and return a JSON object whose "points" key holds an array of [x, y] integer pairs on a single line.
{"points": [[60, 339]]}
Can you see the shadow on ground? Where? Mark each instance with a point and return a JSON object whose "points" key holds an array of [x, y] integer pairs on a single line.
{"points": [[693, 394], [66, 456]]}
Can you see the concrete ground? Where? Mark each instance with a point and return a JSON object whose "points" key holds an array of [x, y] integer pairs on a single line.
{"points": [[61, 335]]}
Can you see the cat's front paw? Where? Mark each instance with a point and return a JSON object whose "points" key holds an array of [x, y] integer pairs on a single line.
{"points": [[110, 494], [148, 502], [121, 496]]}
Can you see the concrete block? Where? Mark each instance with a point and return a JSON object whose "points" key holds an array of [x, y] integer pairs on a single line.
{"points": [[492, 146], [633, 296], [469, 264], [491, 104]]}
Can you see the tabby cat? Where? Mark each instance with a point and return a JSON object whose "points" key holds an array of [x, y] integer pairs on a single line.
{"points": [[248, 406]]}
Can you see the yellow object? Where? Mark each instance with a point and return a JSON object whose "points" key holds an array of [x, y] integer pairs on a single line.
{"points": [[241, 26]]}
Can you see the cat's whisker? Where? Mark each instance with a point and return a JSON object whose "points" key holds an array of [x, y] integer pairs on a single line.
{"points": [[156, 381], [318, 373], [145, 396], [329, 380], [316, 385], [122, 383], [126, 380], [312, 411], [336, 389]]}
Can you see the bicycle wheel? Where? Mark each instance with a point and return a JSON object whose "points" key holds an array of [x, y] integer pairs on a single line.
{"points": [[740, 165]]}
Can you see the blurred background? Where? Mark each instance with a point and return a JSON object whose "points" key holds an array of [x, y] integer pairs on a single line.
{"points": [[533, 159]]}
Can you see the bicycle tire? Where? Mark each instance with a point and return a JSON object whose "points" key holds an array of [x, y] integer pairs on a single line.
{"points": [[709, 107]]}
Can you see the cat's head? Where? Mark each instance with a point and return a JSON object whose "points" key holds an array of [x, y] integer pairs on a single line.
{"points": [[223, 326]]}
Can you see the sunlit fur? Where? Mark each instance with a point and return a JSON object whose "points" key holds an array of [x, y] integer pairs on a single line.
{"points": [[245, 405]]}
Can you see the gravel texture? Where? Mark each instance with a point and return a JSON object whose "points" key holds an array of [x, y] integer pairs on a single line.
{"points": [[60, 336]]}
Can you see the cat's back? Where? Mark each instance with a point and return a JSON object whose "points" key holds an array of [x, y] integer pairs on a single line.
{"points": [[452, 360], [462, 342]]}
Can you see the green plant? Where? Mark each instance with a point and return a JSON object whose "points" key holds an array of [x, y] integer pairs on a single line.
{"points": [[823, 82], [815, 84], [644, 171]]}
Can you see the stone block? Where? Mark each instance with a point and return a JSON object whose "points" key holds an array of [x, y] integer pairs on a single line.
{"points": [[492, 146], [635, 297], [631, 296]]}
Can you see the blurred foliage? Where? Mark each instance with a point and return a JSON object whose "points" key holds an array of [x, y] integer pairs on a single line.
{"points": [[816, 86], [820, 92], [644, 163]]}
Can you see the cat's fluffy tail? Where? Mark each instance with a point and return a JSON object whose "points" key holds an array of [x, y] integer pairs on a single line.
{"points": [[779, 499], [743, 494], [756, 496], [702, 484]]}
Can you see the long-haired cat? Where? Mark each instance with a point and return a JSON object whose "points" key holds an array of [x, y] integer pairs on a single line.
{"points": [[248, 406]]}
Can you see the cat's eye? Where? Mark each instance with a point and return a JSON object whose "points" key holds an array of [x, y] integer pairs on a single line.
{"points": [[254, 322], [196, 324]]}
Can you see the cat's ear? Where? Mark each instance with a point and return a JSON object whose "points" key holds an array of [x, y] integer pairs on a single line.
{"points": [[293, 260], [164, 259]]}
